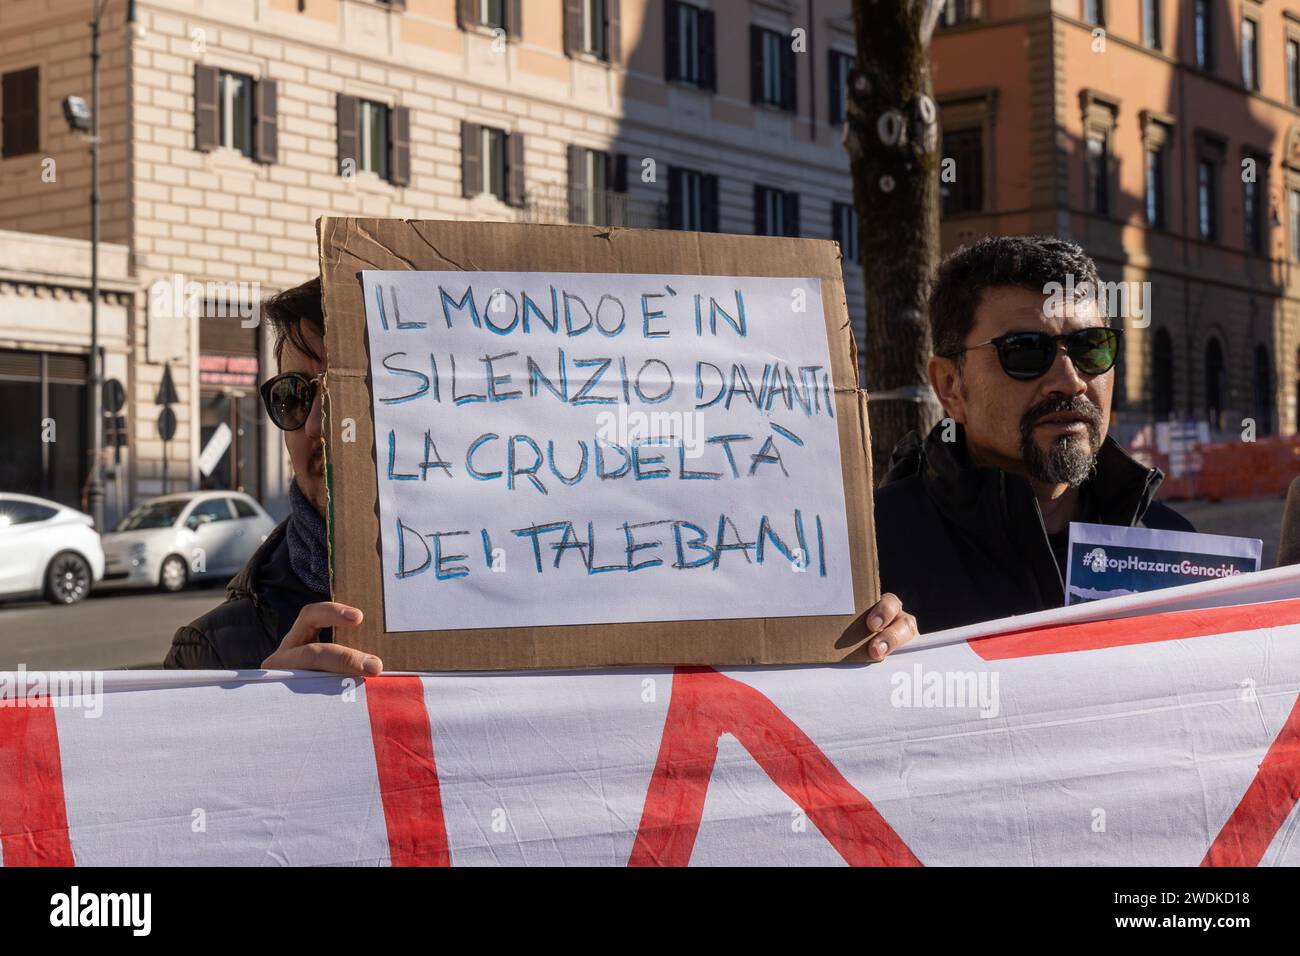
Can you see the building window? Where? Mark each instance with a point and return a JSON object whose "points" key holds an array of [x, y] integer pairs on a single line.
{"points": [[492, 13], [597, 187], [493, 150], [20, 112], [1151, 23], [1252, 205], [958, 11], [1097, 170], [1293, 214], [776, 212], [692, 200], [965, 147], [235, 112], [492, 162], [505, 15], [1207, 199], [838, 83], [372, 139], [1203, 34], [1094, 12], [35, 386], [844, 230], [689, 48], [595, 35], [1249, 54], [1155, 187], [772, 69], [1162, 376], [1293, 72]]}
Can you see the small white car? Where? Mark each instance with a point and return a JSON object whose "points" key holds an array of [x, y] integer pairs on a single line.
{"points": [[169, 541], [47, 549]]}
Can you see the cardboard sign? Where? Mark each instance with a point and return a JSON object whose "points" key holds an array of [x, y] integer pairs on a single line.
{"points": [[1108, 561], [564, 446]]}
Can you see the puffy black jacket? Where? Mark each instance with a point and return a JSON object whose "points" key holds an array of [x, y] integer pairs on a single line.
{"points": [[960, 544], [238, 634]]}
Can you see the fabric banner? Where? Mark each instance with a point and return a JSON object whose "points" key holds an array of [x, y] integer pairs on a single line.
{"points": [[1168, 736]]}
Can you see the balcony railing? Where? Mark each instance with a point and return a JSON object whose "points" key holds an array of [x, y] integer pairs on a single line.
{"points": [[597, 207]]}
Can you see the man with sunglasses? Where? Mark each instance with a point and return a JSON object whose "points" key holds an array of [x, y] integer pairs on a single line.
{"points": [[278, 613], [972, 522]]}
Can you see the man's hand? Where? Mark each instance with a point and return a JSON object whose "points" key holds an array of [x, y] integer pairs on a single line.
{"points": [[301, 651], [889, 626]]}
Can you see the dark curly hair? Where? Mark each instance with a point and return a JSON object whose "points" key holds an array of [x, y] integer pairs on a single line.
{"points": [[289, 311], [1026, 262]]}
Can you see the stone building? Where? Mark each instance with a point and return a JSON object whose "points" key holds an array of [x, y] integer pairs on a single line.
{"points": [[229, 127]]}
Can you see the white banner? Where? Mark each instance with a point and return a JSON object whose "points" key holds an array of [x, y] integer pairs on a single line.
{"points": [[1170, 736]]}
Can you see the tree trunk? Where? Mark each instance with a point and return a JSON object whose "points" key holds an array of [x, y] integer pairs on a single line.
{"points": [[892, 136]]}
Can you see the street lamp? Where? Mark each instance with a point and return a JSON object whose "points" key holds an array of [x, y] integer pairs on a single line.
{"points": [[82, 119]]}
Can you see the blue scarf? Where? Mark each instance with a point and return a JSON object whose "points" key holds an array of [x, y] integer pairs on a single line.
{"points": [[306, 537]]}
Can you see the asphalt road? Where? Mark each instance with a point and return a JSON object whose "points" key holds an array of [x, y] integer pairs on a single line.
{"points": [[106, 631]]}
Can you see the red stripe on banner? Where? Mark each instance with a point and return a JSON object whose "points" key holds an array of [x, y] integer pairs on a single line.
{"points": [[1267, 803], [1127, 631], [33, 813], [408, 775], [704, 705]]}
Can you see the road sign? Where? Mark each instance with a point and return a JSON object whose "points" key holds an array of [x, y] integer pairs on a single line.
{"points": [[167, 424], [114, 396], [167, 390]]}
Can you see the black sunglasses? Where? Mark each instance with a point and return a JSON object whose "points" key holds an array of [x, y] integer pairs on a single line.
{"points": [[288, 399], [1026, 355]]}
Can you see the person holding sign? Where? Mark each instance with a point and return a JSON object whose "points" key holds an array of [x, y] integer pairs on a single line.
{"points": [[278, 613], [972, 523]]}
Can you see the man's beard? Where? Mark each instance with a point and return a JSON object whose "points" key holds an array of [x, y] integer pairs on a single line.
{"points": [[1070, 460]]}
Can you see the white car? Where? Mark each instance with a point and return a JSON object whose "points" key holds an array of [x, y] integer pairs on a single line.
{"points": [[47, 549], [169, 541]]}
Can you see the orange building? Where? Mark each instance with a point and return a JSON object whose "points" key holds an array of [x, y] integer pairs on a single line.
{"points": [[1163, 136]]}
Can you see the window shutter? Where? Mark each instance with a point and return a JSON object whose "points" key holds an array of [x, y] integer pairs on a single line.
{"points": [[708, 54], [760, 211], [577, 184], [837, 224], [466, 14], [348, 119], [399, 146], [675, 198], [205, 108], [515, 19], [833, 85], [572, 26], [471, 159], [266, 139], [20, 113], [617, 175], [672, 42], [709, 203], [755, 63], [791, 201], [613, 32], [515, 169], [789, 67]]}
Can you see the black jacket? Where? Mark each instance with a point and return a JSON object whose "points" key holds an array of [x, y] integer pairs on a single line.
{"points": [[960, 544], [246, 629]]}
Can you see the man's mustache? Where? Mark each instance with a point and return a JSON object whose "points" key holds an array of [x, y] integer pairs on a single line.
{"points": [[1078, 405]]}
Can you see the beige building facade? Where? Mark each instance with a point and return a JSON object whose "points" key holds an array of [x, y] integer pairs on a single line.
{"points": [[229, 126]]}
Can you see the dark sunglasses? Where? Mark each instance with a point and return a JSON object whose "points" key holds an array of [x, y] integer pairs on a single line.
{"points": [[1026, 355], [288, 399]]}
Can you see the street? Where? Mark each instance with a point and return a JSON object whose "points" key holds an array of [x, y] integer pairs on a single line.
{"points": [[110, 629]]}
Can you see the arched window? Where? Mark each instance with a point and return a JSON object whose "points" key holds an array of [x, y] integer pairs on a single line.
{"points": [[1263, 391], [1162, 375], [1215, 383]]}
